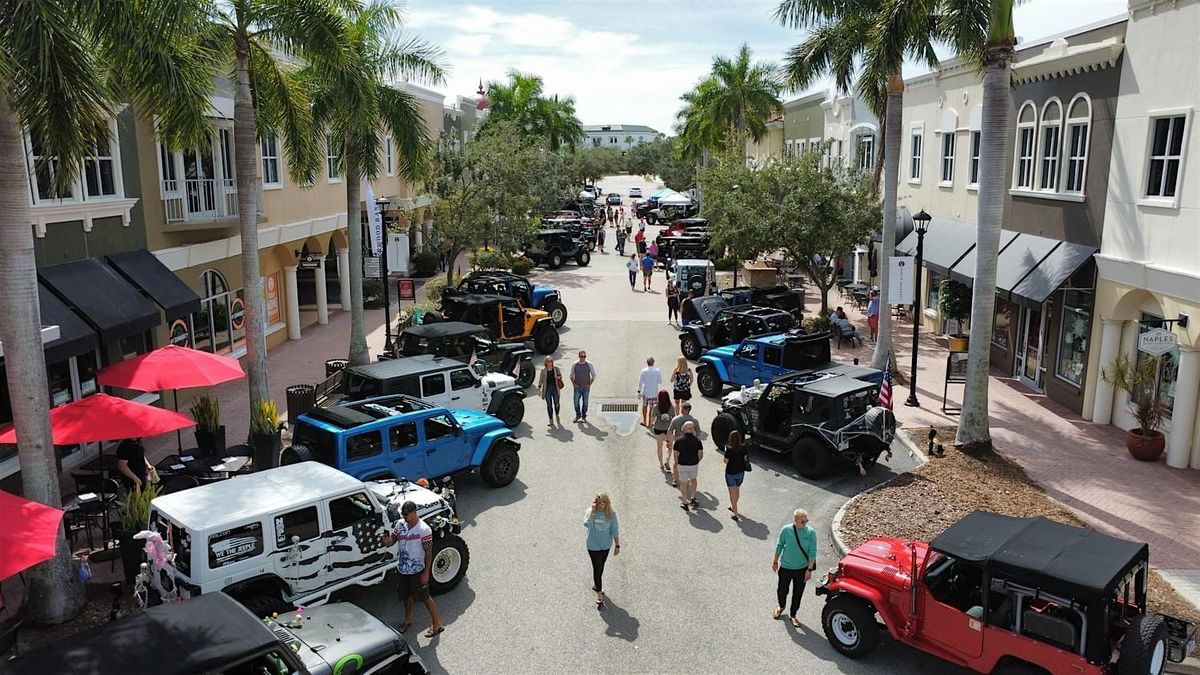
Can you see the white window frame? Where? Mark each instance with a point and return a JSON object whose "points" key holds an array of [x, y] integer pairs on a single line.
{"points": [[1069, 157], [331, 158], [1152, 117], [946, 175], [1019, 156], [78, 186], [389, 156], [271, 158], [866, 159], [916, 152], [1045, 161], [975, 142]]}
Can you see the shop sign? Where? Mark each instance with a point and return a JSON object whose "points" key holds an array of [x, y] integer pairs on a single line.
{"points": [[309, 261], [902, 279], [1157, 341], [180, 335], [405, 290], [271, 292], [237, 313]]}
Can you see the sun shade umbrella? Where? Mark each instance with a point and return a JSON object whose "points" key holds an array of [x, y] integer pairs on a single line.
{"points": [[29, 534], [101, 417], [171, 367]]}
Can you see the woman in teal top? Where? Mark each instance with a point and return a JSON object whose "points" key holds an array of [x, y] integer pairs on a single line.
{"points": [[795, 559], [603, 532]]}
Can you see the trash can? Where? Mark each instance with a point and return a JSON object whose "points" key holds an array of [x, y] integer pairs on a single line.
{"points": [[334, 365], [301, 398]]}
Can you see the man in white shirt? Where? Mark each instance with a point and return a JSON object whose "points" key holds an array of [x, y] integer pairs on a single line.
{"points": [[649, 383]]}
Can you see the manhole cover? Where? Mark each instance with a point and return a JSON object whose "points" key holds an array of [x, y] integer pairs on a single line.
{"points": [[622, 415]]}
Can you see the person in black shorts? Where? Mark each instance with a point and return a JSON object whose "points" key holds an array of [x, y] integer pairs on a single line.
{"points": [[664, 412]]}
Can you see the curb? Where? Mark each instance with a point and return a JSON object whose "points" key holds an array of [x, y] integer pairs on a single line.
{"points": [[835, 525]]}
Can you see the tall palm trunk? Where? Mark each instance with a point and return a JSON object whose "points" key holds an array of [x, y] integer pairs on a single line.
{"points": [[53, 593], [891, 180], [994, 146], [358, 339], [244, 139]]}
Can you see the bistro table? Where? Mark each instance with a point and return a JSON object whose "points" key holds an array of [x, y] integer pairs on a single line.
{"points": [[192, 463], [104, 464]]}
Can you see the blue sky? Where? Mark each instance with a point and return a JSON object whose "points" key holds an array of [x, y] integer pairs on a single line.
{"points": [[627, 62]]}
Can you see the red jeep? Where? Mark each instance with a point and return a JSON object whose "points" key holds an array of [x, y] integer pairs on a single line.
{"points": [[993, 591]]}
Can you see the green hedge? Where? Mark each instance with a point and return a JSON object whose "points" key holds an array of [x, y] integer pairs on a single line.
{"points": [[522, 265], [425, 265]]}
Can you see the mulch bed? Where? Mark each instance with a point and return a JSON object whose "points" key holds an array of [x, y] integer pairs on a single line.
{"points": [[921, 504], [95, 613]]}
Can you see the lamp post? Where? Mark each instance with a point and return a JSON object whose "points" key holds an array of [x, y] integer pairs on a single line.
{"points": [[382, 204], [921, 224]]}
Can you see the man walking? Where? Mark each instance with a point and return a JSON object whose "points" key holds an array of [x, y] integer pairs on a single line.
{"points": [[794, 562], [649, 382], [675, 432], [688, 453], [647, 271], [583, 375], [416, 550], [621, 235]]}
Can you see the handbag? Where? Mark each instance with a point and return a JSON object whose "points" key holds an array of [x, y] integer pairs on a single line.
{"points": [[746, 460], [558, 378]]}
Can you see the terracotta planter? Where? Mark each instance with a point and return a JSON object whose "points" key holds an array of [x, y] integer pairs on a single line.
{"points": [[1146, 447], [957, 343]]}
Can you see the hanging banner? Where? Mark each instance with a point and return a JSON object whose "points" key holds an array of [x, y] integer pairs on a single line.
{"points": [[902, 279], [374, 220]]}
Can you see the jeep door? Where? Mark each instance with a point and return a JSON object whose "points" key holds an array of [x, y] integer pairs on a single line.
{"points": [[466, 391], [298, 549], [433, 388], [514, 321], [353, 542], [771, 365], [724, 327], [404, 452], [743, 367], [445, 450], [952, 589]]}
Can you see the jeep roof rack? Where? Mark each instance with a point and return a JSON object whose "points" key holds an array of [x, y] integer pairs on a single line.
{"points": [[357, 413], [409, 365]]}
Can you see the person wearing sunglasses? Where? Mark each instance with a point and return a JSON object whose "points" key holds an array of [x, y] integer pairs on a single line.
{"points": [[603, 535]]}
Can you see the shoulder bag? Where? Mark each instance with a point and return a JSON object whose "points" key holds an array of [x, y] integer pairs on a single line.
{"points": [[796, 534], [558, 377]]}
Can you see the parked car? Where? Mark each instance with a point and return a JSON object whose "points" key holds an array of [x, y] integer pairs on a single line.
{"points": [[504, 317], [683, 246], [691, 274], [818, 418], [635, 192], [671, 212], [643, 209], [613, 199], [537, 296], [779, 297], [440, 381], [215, 634], [994, 591], [766, 357], [554, 247], [686, 226], [710, 322], [459, 340], [400, 436], [295, 534]]}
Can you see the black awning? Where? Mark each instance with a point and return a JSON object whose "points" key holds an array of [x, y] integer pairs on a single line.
{"points": [[74, 335], [963, 271], [153, 278], [109, 303], [946, 242], [1019, 259], [1053, 271]]}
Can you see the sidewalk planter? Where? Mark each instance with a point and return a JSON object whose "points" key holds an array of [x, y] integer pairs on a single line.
{"points": [[134, 514], [211, 441], [1147, 447], [954, 303], [265, 435], [210, 433], [1146, 441]]}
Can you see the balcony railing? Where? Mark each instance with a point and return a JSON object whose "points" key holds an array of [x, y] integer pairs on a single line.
{"points": [[199, 199]]}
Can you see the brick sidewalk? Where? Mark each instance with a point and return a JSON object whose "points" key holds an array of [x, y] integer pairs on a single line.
{"points": [[1081, 464]]}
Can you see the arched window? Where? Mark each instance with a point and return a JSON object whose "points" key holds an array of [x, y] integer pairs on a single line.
{"points": [[1079, 122], [1026, 142], [1051, 145], [212, 325]]}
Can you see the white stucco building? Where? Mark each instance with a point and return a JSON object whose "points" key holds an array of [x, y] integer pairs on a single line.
{"points": [[619, 136]]}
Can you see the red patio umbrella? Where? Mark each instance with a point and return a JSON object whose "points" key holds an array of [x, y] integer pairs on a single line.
{"points": [[171, 367], [101, 417], [29, 535]]}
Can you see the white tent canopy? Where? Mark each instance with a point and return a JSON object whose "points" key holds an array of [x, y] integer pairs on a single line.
{"points": [[676, 199]]}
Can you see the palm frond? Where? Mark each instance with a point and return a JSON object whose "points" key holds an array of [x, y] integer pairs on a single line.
{"points": [[282, 106], [401, 113]]}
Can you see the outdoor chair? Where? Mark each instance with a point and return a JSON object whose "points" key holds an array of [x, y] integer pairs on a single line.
{"points": [[95, 512], [847, 332], [177, 483]]}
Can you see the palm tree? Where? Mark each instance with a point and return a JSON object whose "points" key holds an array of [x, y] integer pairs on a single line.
{"points": [[874, 36], [560, 124], [353, 101], [698, 129], [522, 101], [747, 93], [261, 43], [64, 66]]}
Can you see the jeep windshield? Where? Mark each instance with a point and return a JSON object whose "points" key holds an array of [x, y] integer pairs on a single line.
{"points": [[777, 323], [321, 442]]}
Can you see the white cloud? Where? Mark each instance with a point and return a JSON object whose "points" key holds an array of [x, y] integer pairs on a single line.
{"points": [[472, 44]]}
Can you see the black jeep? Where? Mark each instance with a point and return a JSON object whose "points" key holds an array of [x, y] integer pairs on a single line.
{"points": [[819, 418], [504, 318], [459, 340], [779, 297], [538, 296], [709, 321], [552, 248], [683, 247]]}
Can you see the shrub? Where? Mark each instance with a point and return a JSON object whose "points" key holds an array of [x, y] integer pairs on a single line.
{"points": [[425, 264], [819, 323], [372, 292], [433, 292], [954, 301], [522, 265], [489, 259], [134, 510], [207, 413], [725, 264], [264, 419]]}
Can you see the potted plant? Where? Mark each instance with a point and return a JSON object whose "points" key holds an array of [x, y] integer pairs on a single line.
{"points": [[210, 433], [1146, 441], [265, 434], [954, 303], [134, 515]]}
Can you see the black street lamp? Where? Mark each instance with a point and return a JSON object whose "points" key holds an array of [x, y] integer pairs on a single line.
{"points": [[921, 224], [382, 204]]}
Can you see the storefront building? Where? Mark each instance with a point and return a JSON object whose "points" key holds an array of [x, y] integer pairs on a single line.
{"points": [[1149, 260]]}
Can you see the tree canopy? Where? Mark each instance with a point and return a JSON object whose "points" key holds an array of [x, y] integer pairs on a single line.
{"points": [[522, 101]]}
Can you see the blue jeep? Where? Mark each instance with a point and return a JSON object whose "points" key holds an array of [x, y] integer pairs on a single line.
{"points": [[531, 295], [405, 438], [766, 357]]}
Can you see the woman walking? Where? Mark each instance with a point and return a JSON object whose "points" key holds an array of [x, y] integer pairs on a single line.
{"points": [[681, 380], [633, 268], [549, 386], [672, 303], [794, 562], [664, 412], [736, 464], [603, 535]]}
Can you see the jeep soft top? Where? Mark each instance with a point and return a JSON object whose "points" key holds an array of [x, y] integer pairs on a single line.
{"points": [[441, 329], [830, 385], [482, 299], [409, 365]]}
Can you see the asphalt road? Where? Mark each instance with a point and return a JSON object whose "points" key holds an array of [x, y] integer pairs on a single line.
{"points": [[690, 592]]}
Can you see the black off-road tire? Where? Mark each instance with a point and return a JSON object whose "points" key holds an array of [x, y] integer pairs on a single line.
{"points": [[501, 465], [294, 454], [554, 260], [583, 258], [431, 317], [1015, 666], [511, 411], [263, 605], [451, 557], [1144, 647], [546, 341], [724, 424], [708, 382], [849, 624], [812, 458], [527, 373], [690, 347], [558, 314]]}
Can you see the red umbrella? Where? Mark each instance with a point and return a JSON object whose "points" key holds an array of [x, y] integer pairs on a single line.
{"points": [[29, 535], [101, 417], [171, 367]]}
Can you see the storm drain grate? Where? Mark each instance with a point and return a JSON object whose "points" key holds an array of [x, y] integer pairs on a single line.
{"points": [[618, 407]]}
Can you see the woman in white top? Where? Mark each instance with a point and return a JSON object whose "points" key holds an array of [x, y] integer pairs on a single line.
{"points": [[633, 268]]}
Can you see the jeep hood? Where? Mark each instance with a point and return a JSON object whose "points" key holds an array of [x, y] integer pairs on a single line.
{"points": [[885, 561], [337, 631], [476, 423], [725, 352], [496, 380]]}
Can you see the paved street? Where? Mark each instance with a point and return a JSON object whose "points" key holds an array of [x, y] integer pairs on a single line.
{"points": [[690, 592]]}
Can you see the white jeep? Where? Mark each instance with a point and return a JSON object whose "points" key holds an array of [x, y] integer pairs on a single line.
{"points": [[294, 535]]}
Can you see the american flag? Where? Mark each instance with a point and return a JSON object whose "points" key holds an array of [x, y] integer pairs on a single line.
{"points": [[885, 387], [473, 360], [516, 371]]}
